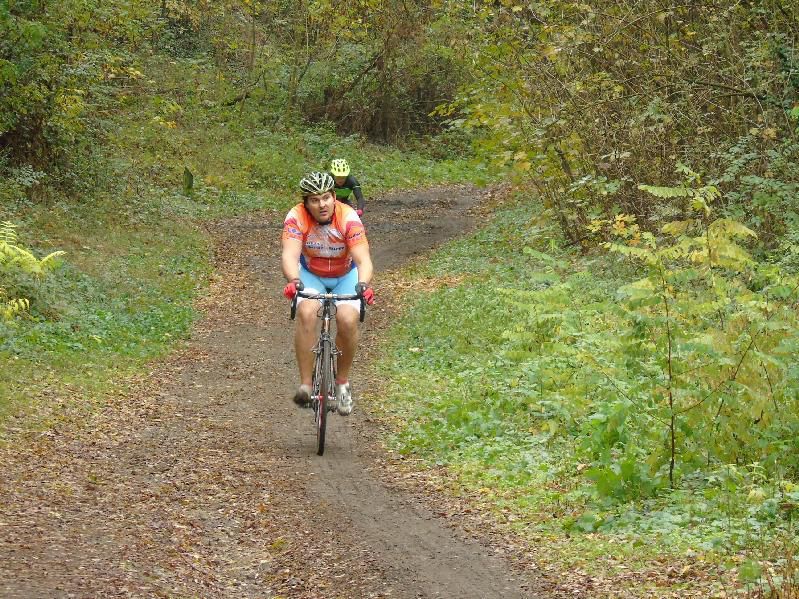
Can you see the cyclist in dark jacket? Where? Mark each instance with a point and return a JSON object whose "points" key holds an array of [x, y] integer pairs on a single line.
{"points": [[346, 185]]}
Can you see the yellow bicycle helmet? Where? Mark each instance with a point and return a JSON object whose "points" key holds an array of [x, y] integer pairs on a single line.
{"points": [[339, 167]]}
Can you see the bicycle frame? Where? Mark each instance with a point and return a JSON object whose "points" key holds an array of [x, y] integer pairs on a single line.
{"points": [[324, 372]]}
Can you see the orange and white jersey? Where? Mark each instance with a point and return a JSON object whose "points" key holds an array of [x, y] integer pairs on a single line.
{"points": [[325, 248]]}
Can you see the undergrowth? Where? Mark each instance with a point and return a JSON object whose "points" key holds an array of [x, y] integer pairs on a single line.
{"points": [[245, 157], [503, 377]]}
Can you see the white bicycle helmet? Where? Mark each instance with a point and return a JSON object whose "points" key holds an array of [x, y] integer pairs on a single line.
{"points": [[339, 167], [315, 183]]}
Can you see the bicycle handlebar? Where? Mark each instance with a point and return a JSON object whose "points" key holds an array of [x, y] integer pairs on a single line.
{"points": [[330, 297]]}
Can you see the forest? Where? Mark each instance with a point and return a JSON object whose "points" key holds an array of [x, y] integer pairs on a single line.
{"points": [[606, 364]]}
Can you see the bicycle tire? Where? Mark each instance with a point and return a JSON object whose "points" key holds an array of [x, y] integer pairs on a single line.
{"points": [[325, 393]]}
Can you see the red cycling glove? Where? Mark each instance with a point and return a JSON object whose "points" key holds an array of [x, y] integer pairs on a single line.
{"points": [[366, 292], [291, 288], [359, 212]]}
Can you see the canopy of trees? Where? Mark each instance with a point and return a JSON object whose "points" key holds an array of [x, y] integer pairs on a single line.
{"points": [[585, 99]]}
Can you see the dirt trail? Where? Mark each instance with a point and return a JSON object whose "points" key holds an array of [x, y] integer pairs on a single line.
{"points": [[204, 483]]}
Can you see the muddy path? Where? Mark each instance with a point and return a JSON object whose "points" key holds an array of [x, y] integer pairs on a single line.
{"points": [[203, 481]]}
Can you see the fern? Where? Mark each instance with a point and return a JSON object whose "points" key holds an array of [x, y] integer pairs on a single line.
{"points": [[11, 308], [8, 233], [701, 196], [12, 255], [15, 259], [727, 227]]}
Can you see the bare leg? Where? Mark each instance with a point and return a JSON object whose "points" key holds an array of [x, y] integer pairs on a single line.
{"points": [[305, 338], [346, 340]]}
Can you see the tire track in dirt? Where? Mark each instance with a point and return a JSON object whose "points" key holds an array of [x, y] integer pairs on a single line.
{"points": [[203, 482]]}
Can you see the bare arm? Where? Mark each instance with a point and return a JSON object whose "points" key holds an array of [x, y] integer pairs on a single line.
{"points": [[290, 258], [363, 260]]}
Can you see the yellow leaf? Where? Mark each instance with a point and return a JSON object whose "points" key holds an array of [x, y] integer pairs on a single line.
{"points": [[698, 256], [677, 227], [596, 224], [550, 52]]}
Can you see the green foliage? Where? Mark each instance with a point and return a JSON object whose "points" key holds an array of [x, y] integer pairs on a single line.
{"points": [[261, 68], [592, 394], [376, 68], [58, 59], [583, 100], [716, 351], [10, 308], [762, 179], [373, 68]]}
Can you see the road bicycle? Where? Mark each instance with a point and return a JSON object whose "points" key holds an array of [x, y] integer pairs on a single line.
{"points": [[323, 384]]}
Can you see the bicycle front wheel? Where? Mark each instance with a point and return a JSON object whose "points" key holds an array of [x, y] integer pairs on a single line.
{"points": [[326, 393]]}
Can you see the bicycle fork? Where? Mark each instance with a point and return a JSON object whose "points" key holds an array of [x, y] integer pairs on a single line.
{"points": [[316, 392]]}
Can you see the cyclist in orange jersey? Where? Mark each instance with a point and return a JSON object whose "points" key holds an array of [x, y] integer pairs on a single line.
{"points": [[325, 249]]}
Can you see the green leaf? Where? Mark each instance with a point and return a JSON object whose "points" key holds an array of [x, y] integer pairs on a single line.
{"points": [[750, 572], [666, 192]]}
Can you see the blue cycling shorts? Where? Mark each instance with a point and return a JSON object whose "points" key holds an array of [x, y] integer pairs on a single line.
{"points": [[344, 284]]}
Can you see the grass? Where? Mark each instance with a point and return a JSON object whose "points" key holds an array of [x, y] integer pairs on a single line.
{"points": [[122, 297], [487, 380]]}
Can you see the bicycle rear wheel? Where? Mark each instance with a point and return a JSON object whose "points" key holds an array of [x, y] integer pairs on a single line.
{"points": [[326, 391]]}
